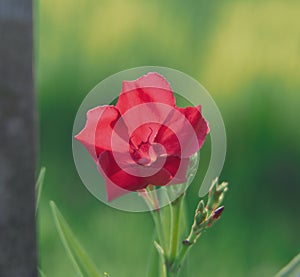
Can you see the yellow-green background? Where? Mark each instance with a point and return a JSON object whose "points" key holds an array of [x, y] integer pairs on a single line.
{"points": [[247, 54]]}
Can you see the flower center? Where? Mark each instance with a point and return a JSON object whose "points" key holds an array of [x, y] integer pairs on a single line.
{"points": [[143, 150], [145, 154]]}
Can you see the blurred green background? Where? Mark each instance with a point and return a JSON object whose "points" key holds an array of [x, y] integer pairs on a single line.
{"points": [[247, 54]]}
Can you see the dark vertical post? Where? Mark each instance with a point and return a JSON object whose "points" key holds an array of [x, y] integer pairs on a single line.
{"points": [[17, 140]]}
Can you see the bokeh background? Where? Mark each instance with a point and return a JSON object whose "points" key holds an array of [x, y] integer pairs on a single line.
{"points": [[247, 54]]}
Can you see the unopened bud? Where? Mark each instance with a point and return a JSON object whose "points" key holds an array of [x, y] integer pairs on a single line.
{"points": [[218, 212], [201, 206], [216, 194], [200, 217]]}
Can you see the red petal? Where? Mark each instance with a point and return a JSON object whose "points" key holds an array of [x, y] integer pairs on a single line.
{"points": [[179, 172], [152, 79], [177, 131], [97, 133], [118, 182], [200, 125], [173, 172], [144, 133], [169, 140], [149, 88]]}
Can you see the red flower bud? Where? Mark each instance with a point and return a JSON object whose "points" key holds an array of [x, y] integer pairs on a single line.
{"points": [[218, 212]]}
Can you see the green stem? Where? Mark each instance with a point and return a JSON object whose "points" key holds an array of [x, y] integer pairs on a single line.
{"points": [[186, 246], [175, 209], [181, 257], [159, 229], [171, 274], [151, 199], [157, 217], [175, 218]]}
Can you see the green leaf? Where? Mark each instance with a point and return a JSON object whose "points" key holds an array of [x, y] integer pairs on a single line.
{"points": [[161, 253], [83, 265], [39, 186], [292, 269], [154, 261], [41, 273]]}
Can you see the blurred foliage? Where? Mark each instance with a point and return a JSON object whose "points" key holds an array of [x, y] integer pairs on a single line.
{"points": [[292, 269], [247, 54]]}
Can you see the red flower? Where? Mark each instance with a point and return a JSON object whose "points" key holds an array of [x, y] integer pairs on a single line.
{"points": [[144, 139]]}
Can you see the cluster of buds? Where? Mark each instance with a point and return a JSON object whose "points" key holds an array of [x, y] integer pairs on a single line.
{"points": [[206, 215]]}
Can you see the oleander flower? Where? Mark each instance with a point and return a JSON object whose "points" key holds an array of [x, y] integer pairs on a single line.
{"points": [[145, 139]]}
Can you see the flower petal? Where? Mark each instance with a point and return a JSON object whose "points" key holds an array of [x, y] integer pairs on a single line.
{"points": [[97, 133], [200, 125], [176, 132], [118, 182], [169, 140], [173, 172], [152, 79], [149, 88]]}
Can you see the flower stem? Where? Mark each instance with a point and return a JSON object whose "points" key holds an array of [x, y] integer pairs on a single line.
{"points": [[158, 225], [186, 245], [171, 274], [181, 256], [150, 197], [175, 218]]}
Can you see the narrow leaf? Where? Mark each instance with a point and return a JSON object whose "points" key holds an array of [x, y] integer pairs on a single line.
{"points": [[153, 261], [39, 186], [83, 265], [159, 249], [292, 269], [41, 273], [161, 254]]}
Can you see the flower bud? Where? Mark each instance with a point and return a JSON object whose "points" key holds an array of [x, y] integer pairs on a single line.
{"points": [[218, 212], [200, 217], [216, 194], [201, 206]]}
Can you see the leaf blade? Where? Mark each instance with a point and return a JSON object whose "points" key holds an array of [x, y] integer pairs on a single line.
{"points": [[292, 269], [83, 265], [41, 273], [39, 186]]}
